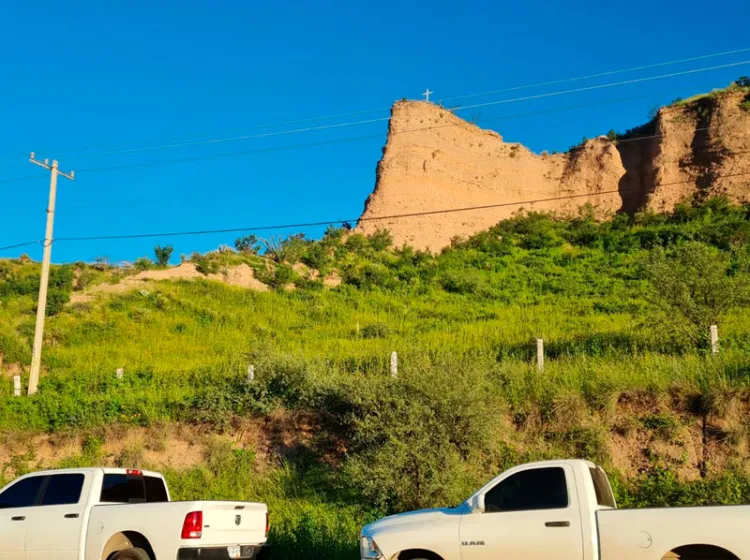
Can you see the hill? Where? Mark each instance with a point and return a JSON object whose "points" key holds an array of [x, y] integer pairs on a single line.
{"points": [[433, 160], [330, 439]]}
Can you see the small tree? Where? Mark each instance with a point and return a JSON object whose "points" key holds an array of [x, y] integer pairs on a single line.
{"points": [[248, 244], [612, 135], [693, 286], [163, 254], [743, 82]]}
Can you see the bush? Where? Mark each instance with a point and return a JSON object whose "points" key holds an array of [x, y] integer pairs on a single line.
{"points": [[285, 250], [461, 282], [163, 255], [381, 240], [204, 264], [421, 441], [375, 330], [277, 276], [143, 263], [249, 245], [693, 288]]}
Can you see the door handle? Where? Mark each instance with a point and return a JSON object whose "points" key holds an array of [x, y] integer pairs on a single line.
{"points": [[18, 518], [71, 516], [557, 524]]}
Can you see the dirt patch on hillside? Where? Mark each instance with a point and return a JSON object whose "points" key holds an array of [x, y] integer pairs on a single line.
{"points": [[279, 436], [242, 276]]}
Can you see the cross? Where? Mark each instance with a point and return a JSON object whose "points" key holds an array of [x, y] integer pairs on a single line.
{"points": [[427, 94]]}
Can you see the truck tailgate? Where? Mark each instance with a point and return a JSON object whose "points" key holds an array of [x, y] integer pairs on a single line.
{"points": [[227, 523]]}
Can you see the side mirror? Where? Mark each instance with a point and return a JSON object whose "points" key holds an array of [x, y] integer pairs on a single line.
{"points": [[477, 504]]}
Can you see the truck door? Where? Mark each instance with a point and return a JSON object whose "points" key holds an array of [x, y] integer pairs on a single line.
{"points": [[17, 506], [55, 529], [532, 514]]}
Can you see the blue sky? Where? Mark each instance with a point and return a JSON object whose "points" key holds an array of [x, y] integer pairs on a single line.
{"points": [[84, 78]]}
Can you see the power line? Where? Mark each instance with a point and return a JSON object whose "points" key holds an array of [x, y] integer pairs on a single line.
{"points": [[382, 119], [597, 75], [25, 244], [335, 141], [350, 139], [602, 86], [377, 218], [173, 145]]}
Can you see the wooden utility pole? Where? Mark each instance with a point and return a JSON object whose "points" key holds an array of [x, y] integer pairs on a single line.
{"points": [[41, 311]]}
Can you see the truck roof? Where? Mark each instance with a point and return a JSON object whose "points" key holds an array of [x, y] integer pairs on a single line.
{"points": [[104, 470], [571, 462]]}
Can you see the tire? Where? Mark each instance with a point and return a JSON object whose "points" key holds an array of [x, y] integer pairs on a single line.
{"points": [[130, 554]]}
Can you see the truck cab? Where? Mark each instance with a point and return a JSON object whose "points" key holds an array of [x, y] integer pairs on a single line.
{"points": [[557, 509]]}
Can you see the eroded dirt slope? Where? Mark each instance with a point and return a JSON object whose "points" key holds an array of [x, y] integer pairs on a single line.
{"points": [[433, 160]]}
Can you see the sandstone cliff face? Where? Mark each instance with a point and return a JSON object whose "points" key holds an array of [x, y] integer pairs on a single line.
{"points": [[435, 161]]}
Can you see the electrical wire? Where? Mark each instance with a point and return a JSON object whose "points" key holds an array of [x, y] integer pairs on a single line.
{"points": [[504, 101], [301, 225], [126, 149], [377, 218], [19, 245], [598, 75]]}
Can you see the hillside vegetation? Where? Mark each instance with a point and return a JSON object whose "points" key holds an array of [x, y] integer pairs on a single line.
{"points": [[331, 440]]}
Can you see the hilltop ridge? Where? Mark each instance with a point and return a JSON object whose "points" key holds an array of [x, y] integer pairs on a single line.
{"points": [[434, 160]]}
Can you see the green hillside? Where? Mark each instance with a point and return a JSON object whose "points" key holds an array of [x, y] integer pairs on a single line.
{"points": [[629, 381]]}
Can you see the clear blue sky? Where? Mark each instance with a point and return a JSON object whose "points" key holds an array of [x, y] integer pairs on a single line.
{"points": [[93, 76]]}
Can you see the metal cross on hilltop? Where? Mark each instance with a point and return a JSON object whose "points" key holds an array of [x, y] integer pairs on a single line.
{"points": [[427, 94]]}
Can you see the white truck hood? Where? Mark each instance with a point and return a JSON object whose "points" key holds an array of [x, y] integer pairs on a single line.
{"points": [[407, 521]]}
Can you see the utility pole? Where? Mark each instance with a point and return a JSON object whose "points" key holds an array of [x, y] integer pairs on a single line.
{"points": [[41, 312]]}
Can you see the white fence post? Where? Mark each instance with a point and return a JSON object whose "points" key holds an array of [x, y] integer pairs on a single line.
{"points": [[250, 373], [714, 339], [17, 385], [394, 364], [540, 354], [120, 373]]}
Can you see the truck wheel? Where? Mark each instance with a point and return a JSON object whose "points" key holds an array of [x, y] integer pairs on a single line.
{"points": [[130, 554]]}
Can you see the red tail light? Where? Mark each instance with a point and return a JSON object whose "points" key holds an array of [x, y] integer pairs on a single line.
{"points": [[268, 524], [192, 528], [133, 472]]}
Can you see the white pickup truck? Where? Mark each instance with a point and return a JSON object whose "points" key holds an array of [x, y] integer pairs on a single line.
{"points": [[122, 514], [558, 510]]}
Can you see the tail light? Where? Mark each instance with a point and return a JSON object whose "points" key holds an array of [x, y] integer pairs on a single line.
{"points": [[192, 528], [268, 524]]}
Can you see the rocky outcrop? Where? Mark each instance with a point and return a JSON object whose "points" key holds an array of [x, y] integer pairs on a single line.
{"points": [[435, 161]]}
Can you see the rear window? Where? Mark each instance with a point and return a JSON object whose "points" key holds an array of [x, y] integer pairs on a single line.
{"points": [[603, 491], [156, 490], [63, 489], [133, 489]]}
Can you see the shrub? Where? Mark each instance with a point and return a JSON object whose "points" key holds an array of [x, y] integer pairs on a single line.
{"points": [[285, 250], [143, 263], [421, 441], [743, 82], [693, 288], [248, 244], [375, 330], [277, 276], [205, 264], [381, 240], [461, 282], [163, 255]]}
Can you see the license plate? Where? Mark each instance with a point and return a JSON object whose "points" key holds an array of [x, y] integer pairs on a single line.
{"points": [[234, 552]]}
